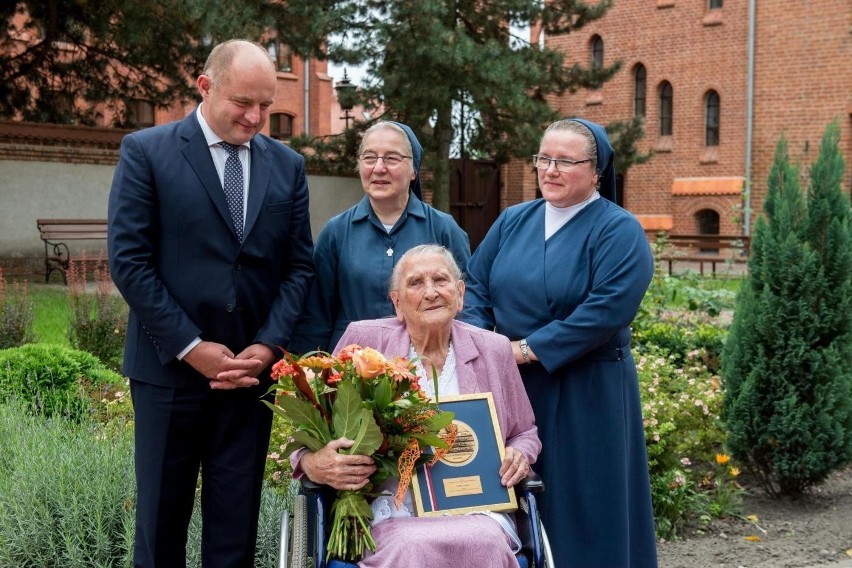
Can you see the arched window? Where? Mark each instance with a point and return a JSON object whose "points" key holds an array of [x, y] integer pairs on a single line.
{"points": [[711, 119], [640, 88], [281, 126], [666, 108], [597, 52], [708, 224]]}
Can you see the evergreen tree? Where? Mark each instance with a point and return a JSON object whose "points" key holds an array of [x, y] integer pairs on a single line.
{"points": [[452, 68], [788, 359], [60, 58]]}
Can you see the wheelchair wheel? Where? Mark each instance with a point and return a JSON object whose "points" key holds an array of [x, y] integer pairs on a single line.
{"points": [[548, 554], [293, 548]]}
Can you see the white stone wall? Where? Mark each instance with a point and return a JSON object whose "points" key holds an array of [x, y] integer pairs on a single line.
{"points": [[31, 190]]}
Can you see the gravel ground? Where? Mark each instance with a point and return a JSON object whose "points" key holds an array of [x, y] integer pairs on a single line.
{"points": [[815, 530]]}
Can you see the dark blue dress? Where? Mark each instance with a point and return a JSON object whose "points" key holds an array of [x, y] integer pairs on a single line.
{"points": [[353, 267], [573, 297]]}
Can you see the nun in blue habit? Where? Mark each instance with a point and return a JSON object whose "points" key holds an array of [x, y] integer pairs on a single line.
{"points": [[356, 251], [563, 277]]}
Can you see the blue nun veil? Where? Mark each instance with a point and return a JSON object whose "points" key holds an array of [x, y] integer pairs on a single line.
{"points": [[606, 158], [417, 152]]}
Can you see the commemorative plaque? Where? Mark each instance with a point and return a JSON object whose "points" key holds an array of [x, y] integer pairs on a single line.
{"points": [[467, 478]]}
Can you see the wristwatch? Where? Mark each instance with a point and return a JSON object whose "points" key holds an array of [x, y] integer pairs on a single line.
{"points": [[525, 350]]}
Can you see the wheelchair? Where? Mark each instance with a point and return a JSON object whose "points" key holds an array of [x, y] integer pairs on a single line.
{"points": [[303, 541]]}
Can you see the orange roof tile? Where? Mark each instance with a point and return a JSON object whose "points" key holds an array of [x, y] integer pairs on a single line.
{"points": [[708, 186]]}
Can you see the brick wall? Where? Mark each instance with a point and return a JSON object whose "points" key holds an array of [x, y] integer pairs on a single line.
{"points": [[802, 82], [59, 143]]}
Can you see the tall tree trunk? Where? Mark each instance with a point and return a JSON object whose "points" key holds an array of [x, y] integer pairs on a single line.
{"points": [[443, 136]]}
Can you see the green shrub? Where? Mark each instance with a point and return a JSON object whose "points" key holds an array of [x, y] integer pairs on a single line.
{"points": [[67, 492], [17, 314], [98, 318], [278, 471], [53, 379], [69, 495], [788, 359], [682, 400], [678, 338], [681, 406], [677, 502]]}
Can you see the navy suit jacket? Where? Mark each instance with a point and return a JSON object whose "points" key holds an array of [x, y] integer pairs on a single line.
{"points": [[176, 259]]}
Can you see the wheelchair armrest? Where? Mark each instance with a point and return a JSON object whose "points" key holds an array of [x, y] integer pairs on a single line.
{"points": [[312, 487], [533, 483]]}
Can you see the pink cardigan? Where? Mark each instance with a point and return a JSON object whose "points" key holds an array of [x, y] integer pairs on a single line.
{"points": [[484, 362]]}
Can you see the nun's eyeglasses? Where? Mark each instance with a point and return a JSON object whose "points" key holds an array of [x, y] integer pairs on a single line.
{"points": [[391, 160], [543, 163]]}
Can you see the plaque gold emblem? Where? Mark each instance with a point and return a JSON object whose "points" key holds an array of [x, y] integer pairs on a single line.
{"points": [[466, 447]]}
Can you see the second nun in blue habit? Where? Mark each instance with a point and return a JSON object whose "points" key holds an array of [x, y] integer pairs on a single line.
{"points": [[563, 277], [357, 250]]}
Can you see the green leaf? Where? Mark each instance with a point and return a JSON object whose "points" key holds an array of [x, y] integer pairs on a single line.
{"points": [[430, 440], [382, 395], [369, 437], [308, 440], [303, 414], [346, 412], [441, 420]]}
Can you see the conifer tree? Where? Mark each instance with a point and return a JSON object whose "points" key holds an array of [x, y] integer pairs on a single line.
{"points": [[787, 362]]}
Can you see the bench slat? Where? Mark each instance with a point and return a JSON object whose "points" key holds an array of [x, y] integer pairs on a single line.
{"points": [[55, 231], [73, 235]]}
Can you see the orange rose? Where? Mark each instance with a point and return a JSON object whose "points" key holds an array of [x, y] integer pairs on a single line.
{"points": [[369, 363]]}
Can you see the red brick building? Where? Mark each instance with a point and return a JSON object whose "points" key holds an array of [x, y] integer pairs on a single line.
{"points": [[303, 102], [718, 82]]}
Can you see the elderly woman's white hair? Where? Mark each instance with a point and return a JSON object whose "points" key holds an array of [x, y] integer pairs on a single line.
{"points": [[424, 250]]}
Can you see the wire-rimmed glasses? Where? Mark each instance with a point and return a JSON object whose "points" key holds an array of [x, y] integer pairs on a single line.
{"points": [[391, 159], [562, 165]]}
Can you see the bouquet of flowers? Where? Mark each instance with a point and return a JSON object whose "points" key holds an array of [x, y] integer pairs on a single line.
{"points": [[378, 403]]}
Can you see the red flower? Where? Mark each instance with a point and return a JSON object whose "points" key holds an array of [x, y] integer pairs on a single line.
{"points": [[333, 378], [345, 354], [282, 368]]}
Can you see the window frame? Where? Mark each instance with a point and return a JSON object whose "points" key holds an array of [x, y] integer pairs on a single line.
{"points": [[133, 113], [596, 49], [640, 94], [666, 99], [712, 118], [275, 130], [281, 54]]}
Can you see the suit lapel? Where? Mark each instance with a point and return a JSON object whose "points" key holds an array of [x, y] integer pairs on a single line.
{"points": [[397, 342], [258, 182], [197, 154], [466, 355]]}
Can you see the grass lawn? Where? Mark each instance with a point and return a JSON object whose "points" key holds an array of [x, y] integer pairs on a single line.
{"points": [[51, 313]]}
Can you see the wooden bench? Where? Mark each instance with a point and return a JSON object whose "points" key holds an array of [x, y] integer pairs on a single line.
{"points": [[703, 249], [54, 233]]}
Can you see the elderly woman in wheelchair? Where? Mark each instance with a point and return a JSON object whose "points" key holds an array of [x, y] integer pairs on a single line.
{"points": [[427, 292]]}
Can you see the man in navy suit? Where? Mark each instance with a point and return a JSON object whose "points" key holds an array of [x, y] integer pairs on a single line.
{"points": [[211, 300]]}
